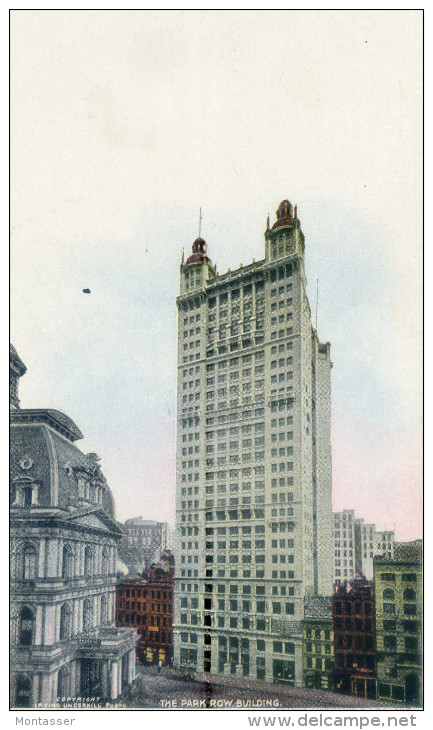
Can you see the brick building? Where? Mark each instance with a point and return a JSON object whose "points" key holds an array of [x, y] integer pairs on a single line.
{"points": [[399, 612], [354, 638], [146, 603]]}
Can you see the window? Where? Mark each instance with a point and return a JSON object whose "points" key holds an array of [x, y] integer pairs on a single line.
{"points": [[66, 562], [411, 643], [105, 561], [104, 610], [388, 594], [409, 594], [388, 576], [410, 627], [87, 615], [27, 496], [409, 609], [26, 626], [390, 642], [88, 559], [29, 563], [65, 622]]}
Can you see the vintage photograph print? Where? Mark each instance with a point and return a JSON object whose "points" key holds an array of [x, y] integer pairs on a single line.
{"points": [[216, 359]]}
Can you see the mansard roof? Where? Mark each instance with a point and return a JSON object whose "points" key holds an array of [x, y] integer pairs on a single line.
{"points": [[58, 420]]}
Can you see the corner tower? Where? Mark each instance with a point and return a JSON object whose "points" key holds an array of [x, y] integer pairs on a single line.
{"points": [[198, 270]]}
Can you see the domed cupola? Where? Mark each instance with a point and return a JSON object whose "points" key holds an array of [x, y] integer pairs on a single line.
{"points": [[197, 269], [285, 238], [284, 214], [198, 256]]}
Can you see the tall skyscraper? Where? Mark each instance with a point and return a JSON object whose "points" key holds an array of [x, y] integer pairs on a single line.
{"points": [[253, 502]]}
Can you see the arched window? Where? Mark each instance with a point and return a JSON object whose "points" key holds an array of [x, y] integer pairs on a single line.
{"points": [[105, 561], [63, 683], [104, 611], [23, 692], [66, 562], [26, 626], [65, 622], [388, 594], [409, 594], [87, 615], [88, 559], [29, 563]]}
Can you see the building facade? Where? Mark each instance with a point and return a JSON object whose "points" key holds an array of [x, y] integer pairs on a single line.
{"points": [[146, 603], [253, 489], [318, 643], [64, 535], [356, 544], [143, 543], [399, 615], [344, 546], [353, 620]]}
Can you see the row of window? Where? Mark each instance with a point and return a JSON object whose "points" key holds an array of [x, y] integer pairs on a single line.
{"points": [[29, 562], [26, 621], [191, 319]]}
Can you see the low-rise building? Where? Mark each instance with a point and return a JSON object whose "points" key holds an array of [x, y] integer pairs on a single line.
{"points": [[318, 643], [146, 603], [354, 638], [398, 589]]}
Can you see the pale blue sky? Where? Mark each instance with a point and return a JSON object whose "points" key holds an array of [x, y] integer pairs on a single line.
{"points": [[124, 124]]}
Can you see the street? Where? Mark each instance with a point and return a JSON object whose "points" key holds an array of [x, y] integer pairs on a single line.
{"points": [[169, 690]]}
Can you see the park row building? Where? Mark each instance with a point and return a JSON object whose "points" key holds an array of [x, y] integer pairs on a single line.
{"points": [[253, 489], [64, 643]]}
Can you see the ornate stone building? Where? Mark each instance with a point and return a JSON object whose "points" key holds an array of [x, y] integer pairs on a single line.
{"points": [[64, 643], [253, 509], [318, 643], [399, 617]]}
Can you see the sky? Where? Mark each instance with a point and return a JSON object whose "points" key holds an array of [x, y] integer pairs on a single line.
{"points": [[124, 124]]}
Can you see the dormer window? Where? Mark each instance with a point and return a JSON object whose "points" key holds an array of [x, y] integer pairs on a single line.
{"points": [[26, 493]]}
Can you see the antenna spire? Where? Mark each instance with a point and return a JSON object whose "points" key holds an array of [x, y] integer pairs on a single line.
{"points": [[199, 223]]}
